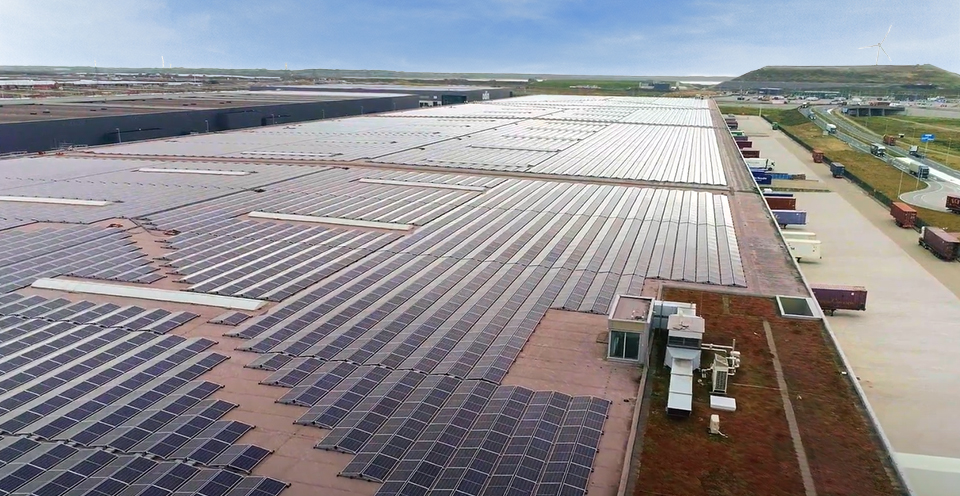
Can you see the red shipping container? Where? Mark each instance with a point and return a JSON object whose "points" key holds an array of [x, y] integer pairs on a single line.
{"points": [[750, 153], [832, 298], [744, 144], [904, 215], [953, 204], [781, 203], [943, 244]]}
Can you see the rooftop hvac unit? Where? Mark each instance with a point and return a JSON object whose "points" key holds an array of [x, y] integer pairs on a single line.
{"points": [[721, 371], [714, 424]]}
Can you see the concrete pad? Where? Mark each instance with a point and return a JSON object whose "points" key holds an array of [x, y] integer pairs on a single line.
{"points": [[904, 346]]}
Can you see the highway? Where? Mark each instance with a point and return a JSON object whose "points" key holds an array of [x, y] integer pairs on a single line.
{"points": [[942, 181]]}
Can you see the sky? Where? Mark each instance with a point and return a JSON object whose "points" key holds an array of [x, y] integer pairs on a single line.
{"points": [[593, 37]]}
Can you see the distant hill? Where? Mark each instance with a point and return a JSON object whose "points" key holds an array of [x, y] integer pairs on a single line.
{"points": [[892, 77]]}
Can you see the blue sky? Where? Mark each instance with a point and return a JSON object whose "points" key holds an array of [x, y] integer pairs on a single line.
{"points": [[639, 37]]}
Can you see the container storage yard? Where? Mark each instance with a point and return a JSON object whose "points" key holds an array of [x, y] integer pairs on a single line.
{"points": [[506, 297]]}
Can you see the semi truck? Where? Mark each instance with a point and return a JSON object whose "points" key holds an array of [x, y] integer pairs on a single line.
{"points": [[878, 150], [915, 151], [760, 163], [953, 204], [817, 156], [832, 297], [889, 140], [803, 249], [913, 167], [944, 245], [832, 128], [904, 215], [837, 169]]}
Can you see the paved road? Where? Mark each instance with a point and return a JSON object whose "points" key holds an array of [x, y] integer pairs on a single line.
{"points": [[904, 347], [943, 180]]}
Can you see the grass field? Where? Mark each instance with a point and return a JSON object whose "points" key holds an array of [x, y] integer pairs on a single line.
{"points": [[878, 174]]}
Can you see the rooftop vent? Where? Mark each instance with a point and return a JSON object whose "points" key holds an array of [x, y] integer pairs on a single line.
{"points": [[796, 307]]}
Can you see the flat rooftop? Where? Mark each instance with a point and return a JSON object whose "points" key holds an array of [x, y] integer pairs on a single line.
{"points": [[88, 107], [381, 361]]}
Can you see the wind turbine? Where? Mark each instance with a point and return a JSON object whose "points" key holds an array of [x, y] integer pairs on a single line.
{"points": [[880, 47]]}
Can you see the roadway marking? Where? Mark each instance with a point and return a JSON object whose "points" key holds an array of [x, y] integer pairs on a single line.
{"points": [[928, 462]]}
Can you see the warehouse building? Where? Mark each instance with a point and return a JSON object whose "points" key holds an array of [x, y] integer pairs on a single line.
{"points": [[405, 303], [54, 123], [430, 96]]}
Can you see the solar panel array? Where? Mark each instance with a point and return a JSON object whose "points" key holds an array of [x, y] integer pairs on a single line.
{"points": [[88, 405], [81, 251], [647, 139], [132, 193]]}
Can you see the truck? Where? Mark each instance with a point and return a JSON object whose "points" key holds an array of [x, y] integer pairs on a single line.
{"points": [[953, 204], [915, 151], [944, 245], [837, 169], [889, 140], [913, 167], [781, 203], [760, 163], [831, 128], [817, 156], [803, 249], [904, 215], [790, 217], [833, 297], [750, 153], [878, 150]]}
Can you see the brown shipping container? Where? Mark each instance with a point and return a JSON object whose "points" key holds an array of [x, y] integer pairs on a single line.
{"points": [[818, 156], [904, 215], [781, 203], [953, 204], [831, 297], [943, 244], [744, 144], [750, 153]]}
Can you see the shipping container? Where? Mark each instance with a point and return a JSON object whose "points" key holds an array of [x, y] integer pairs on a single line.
{"points": [[889, 140], [944, 245], [750, 153], [837, 169], [781, 175], [904, 215], [953, 204], [781, 203], [832, 298], [817, 156], [763, 180], [804, 249], [744, 144], [790, 217], [740, 137], [737, 133], [762, 163]]}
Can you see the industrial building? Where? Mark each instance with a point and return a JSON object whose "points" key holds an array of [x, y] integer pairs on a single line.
{"points": [[55, 123], [444, 300], [430, 96]]}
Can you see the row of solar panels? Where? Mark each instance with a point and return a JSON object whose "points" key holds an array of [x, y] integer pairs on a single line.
{"points": [[84, 397], [82, 251], [419, 432]]}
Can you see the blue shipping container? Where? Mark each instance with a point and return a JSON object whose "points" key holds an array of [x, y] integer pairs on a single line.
{"points": [[790, 217], [763, 180], [779, 175]]}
